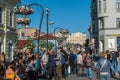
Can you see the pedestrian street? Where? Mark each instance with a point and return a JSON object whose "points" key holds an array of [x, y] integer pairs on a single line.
{"points": [[78, 77]]}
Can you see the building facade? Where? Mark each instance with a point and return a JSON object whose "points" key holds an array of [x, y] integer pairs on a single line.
{"points": [[29, 32], [105, 24], [8, 26], [30, 36], [76, 38]]}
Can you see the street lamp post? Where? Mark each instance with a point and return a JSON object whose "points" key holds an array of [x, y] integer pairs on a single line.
{"points": [[63, 31], [47, 16], [54, 33], [38, 37]]}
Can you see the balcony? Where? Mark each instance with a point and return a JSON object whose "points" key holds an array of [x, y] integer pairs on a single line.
{"points": [[102, 15]]}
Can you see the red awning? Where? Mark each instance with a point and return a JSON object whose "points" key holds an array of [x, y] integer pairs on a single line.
{"points": [[21, 43], [50, 37]]}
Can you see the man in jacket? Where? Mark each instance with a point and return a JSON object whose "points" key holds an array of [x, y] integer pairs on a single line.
{"points": [[59, 63]]}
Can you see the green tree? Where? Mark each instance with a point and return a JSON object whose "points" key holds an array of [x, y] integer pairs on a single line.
{"points": [[44, 44], [86, 42], [50, 45]]}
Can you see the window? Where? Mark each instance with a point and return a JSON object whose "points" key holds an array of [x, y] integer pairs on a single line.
{"points": [[0, 15], [11, 19], [118, 41], [104, 5], [118, 22], [118, 4], [99, 5], [102, 23]]}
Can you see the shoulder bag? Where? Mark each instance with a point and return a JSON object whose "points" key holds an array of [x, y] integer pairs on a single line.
{"points": [[98, 71]]}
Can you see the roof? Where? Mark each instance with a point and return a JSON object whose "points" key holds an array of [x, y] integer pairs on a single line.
{"points": [[50, 37], [21, 43]]}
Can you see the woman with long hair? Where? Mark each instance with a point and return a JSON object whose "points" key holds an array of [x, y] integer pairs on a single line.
{"points": [[88, 64], [104, 65], [118, 64], [11, 74]]}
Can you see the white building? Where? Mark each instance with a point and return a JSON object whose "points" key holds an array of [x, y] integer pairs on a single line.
{"points": [[8, 26], [105, 24], [76, 38]]}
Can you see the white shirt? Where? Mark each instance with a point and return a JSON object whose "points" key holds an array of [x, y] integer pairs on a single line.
{"points": [[44, 59], [79, 59]]}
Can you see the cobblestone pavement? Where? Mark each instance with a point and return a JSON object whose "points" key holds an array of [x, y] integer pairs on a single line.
{"points": [[77, 77]]}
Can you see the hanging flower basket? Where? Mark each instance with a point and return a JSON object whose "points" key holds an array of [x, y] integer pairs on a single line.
{"points": [[25, 10], [16, 11], [30, 11], [19, 20], [23, 21], [27, 21], [64, 31]]}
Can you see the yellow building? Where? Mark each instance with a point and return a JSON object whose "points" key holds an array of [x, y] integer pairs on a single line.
{"points": [[8, 24], [76, 38]]}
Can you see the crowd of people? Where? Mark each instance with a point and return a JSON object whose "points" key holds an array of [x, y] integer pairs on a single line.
{"points": [[59, 64]]}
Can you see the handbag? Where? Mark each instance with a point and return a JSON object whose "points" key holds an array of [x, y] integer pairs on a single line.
{"points": [[98, 71]]}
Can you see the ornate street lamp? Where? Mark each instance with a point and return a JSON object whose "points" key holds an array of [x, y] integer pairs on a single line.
{"points": [[64, 36], [40, 22], [27, 10], [24, 11], [62, 31]]}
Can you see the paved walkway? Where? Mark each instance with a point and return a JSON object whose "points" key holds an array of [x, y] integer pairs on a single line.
{"points": [[77, 77]]}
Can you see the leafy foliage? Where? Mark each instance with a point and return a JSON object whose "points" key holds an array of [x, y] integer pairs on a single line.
{"points": [[86, 43], [44, 44]]}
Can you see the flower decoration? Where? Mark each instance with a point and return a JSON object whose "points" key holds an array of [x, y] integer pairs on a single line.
{"points": [[16, 10], [23, 21], [23, 10], [64, 31]]}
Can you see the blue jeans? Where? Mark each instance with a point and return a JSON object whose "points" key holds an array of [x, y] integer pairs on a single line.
{"points": [[105, 77], [114, 66], [71, 69], [89, 72], [44, 69], [66, 70]]}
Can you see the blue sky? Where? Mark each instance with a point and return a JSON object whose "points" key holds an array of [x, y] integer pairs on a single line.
{"points": [[73, 15]]}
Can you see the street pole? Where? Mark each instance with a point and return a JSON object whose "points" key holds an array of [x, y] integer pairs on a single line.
{"points": [[39, 30], [47, 16], [54, 33]]}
